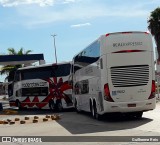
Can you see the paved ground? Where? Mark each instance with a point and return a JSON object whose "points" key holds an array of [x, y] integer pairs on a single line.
{"points": [[73, 124]]}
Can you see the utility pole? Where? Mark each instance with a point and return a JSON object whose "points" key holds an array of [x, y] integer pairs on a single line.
{"points": [[55, 46]]}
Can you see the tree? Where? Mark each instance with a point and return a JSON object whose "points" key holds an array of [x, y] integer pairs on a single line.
{"points": [[154, 28], [8, 68], [12, 51]]}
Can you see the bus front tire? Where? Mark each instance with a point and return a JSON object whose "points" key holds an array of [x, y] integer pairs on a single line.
{"points": [[18, 104], [59, 106]]}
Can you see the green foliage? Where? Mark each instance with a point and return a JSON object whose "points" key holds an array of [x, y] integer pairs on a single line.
{"points": [[154, 21], [11, 51], [154, 27]]}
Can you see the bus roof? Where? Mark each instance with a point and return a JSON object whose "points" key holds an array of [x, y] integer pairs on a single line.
{"points": [[44, 65], [126, 32], [112, 33]]}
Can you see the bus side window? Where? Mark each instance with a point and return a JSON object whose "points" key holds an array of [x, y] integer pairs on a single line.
{"points": [[101, 63], [19, 93], [84, 87]]}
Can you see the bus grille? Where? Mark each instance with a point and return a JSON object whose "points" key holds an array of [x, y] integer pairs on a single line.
{"points": [[128, 76]]}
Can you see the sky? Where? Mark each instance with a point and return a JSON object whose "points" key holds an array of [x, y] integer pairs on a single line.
{"points": [[76, 23]]}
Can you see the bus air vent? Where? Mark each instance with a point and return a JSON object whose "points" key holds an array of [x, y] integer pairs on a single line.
{"points": [[128, 76]]}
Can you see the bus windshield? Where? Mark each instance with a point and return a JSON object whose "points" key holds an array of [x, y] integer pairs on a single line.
{"points": [[46, 72]]}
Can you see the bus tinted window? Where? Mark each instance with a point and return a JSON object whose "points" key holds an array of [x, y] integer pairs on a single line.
{"points": [[36, 73], [82, 87], [62, 70], [89, 55], [46, 72], [11, 76], [36, 91]]}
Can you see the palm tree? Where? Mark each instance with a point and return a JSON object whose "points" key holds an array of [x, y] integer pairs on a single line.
{"points": [[12, 51], [8, 68], [154, 27]]}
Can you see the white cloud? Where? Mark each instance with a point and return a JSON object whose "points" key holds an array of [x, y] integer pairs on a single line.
{"points": [[80, 25], [42, 3], [78, 12], [13, 3], [68, 1], [81, 10]]}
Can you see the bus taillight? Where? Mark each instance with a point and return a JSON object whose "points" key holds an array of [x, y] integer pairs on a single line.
{"points": [[146, 32], [153, 89], [107, 35], [107, 95]]}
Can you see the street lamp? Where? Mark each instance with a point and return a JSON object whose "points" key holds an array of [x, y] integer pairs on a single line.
{"points": [[55, 46]]}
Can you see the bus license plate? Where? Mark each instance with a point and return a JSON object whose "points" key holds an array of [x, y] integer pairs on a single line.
{"points": [[131, 105]]}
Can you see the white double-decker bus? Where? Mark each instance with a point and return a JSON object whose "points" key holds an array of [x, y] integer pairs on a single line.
{"points": [[41, 86], [115, 73]]}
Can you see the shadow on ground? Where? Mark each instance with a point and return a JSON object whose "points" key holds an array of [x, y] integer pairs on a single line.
{"points": [[83, 123]]}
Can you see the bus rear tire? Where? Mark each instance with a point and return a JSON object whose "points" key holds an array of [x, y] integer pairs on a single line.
{"points": [[59, 105], [52, 105], [138, 114], [95, 113], [91, 106], [76, 107]]}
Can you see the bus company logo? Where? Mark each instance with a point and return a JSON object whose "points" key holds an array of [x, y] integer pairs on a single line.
{"points": [[122, 44], [114, 93], [120, 91], [37, 84], [57, 90]]}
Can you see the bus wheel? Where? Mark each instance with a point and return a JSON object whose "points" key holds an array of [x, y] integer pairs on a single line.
{"points": [[95, 113], [51, 105], [18, 104], [59, 105], [91, 106], [92, 112], [76, 107], [138, 115]]}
